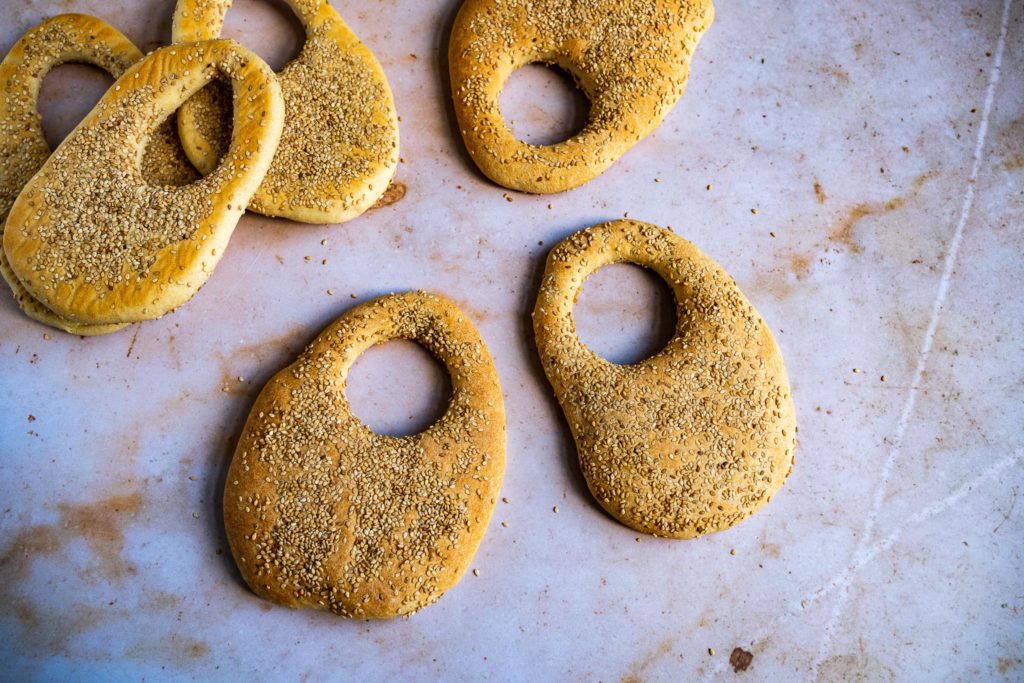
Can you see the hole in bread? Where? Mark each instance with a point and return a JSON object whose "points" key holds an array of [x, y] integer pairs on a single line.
{"points": [[214, 112], [267, 27], [542, 105], [398, 388], [164, 162], [625, 313], [67, 94]]}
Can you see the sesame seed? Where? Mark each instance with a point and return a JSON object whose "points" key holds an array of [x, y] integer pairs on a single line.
{"points": [[634, 68], [720, 375], [336, 100]]}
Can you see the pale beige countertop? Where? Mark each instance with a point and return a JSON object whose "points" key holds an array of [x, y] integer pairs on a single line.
{"points": [[885, 161]]}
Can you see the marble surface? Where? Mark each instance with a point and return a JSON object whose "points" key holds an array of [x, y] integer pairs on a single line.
{"points": [[882, 147]]}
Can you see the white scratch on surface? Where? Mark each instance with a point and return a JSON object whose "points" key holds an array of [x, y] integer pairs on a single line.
{"points": [[845, 578]]}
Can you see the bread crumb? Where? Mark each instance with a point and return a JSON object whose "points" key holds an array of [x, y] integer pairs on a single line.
{"points": [[555, 509], [711, 651]]}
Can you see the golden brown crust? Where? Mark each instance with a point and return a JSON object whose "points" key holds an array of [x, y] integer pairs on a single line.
{"points": [[23, 148], [96, 243], [339, 148], [631, 58], [322, 512], [693, 439]]}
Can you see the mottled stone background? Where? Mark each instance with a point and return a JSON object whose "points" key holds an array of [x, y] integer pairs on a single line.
{"points": [[882, 147]]}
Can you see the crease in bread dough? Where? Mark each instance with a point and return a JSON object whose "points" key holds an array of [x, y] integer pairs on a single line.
{"points": [[693, 439], [96, 243], [23, 147], [630, 57], [339, 148], [322, 512]]}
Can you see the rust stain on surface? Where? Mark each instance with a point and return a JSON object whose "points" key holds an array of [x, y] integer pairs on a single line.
{"points": [[1013, 164], [845, 230], [800, 266], [837, 72], [101, 525], [636, 671], [394, 194], [1006, 663], [819, 193]]}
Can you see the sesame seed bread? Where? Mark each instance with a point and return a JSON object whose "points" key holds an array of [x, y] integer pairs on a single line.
{"points": [[339, 149], [321, 512], [630, 57], [693, 439], [96, 243], [23, 148]]}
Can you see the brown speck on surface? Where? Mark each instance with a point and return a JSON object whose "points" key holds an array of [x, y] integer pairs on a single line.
{"points": [[46, 337], [504, 500], [753, 211], [31, 418], [819, 193], [476, 572], [708, 188], [555, 509], [394, 194], [131, 344], [740, 659], [711, 651], [733, 551], [330, 292]]}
